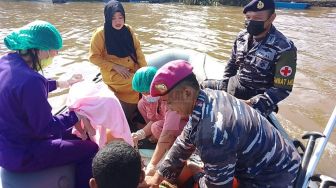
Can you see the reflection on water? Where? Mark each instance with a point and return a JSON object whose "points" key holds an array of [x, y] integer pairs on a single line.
{"points": [[206, 29]]}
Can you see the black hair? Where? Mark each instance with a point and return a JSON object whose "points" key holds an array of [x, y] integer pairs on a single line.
{"points": [[32, 53], [190, 81], [117, 165]]}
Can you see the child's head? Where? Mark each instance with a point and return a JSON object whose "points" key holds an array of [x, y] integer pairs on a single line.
{"points": [[114, 12], [116, 165]]}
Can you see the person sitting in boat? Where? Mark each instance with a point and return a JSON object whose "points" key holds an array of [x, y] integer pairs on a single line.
{"points": [[32, 138], [116, 50], [162, 124], [262, 66], [231, 138], [117, 164]]}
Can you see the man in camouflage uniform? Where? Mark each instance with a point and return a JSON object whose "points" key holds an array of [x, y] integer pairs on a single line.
{"points": [[231, 138], [263, 62]]}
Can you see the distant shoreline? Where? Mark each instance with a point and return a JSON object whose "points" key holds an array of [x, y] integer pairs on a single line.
{"points": [[317, 3], [314, 3]]}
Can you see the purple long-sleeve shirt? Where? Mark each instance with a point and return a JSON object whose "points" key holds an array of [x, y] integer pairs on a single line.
{"points": [[25, 114]]}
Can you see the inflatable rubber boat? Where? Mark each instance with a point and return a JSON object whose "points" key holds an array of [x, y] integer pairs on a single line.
{"points": [[205, 67]]}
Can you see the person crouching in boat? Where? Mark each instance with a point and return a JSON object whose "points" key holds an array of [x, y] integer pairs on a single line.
{"points": [[163, 124], [231, 138], [31, 138], [116, 50]]}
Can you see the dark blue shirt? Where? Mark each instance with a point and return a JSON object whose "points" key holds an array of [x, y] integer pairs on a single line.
{"points": [[233, 140], [266, 67]]}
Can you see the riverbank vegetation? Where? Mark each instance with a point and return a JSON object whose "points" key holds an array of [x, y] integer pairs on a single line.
{"points": [[216, 2], [320, 3], [187, 2]]}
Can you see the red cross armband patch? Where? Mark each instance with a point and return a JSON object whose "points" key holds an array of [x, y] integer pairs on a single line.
{"points": [[285, 70]]}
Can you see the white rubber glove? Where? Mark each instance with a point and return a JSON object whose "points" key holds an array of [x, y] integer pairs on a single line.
{"points": [[74, 79], [139, 135], [150, 169]]}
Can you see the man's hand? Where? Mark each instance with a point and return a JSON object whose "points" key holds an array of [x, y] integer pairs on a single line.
{"points": [[154, 181], [248, 102], [123, 71], [150, 169]]}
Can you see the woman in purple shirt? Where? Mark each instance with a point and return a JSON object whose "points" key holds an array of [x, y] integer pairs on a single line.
{"points": [[31, 138]]}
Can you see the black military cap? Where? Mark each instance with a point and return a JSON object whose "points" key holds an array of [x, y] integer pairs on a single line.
{"points": [[259, 5]]}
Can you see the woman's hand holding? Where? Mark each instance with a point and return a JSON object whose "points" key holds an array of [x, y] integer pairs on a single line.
{"points": [[74, 79]]}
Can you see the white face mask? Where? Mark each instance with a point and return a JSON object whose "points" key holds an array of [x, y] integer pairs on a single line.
{"points": [[150, 99]]}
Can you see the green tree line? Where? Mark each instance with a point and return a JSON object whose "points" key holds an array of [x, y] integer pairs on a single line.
{"points": [[215, 2], [187, 2]]}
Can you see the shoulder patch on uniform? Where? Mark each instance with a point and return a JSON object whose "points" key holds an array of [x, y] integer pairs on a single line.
{"points": [[285, 70]]}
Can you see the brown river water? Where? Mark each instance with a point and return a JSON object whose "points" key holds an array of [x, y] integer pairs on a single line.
{"points": [[210, 30]]}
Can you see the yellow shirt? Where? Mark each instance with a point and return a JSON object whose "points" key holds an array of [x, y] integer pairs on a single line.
{"points": [[121, 87]]}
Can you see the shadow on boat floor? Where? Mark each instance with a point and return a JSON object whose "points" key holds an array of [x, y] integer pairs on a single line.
{"points": [[146, 144]]}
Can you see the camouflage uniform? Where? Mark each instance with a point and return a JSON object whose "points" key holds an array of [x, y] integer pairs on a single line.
{"points": [[233, 140], [262, 71]]}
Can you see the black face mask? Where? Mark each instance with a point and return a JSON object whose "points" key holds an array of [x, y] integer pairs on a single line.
{"points": [[254, 28]]}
